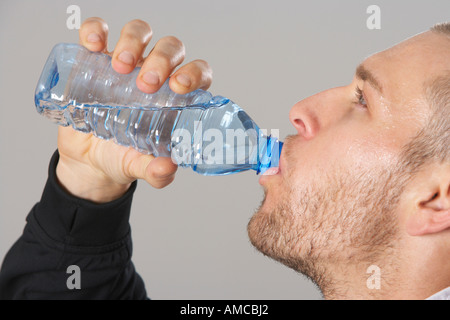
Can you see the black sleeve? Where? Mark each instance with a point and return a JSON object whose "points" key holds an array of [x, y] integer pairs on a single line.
{"points": [[64, 231]]}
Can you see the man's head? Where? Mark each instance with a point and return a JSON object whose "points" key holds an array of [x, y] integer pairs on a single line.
{"points": [[367, 178]]}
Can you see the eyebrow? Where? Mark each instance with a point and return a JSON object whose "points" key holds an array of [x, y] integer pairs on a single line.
{"points": [[366, 75]]}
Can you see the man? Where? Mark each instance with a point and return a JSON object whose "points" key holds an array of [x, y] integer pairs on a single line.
{"points": [[364, 185], [366, 181]]}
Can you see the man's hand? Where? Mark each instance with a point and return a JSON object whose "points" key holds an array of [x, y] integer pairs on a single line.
{"points": [[99, 170]]}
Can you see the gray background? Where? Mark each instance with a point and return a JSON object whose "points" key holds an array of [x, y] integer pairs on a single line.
{"points": [[190, 239]]}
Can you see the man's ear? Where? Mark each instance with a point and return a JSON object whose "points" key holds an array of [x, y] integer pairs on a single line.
{"points": [[431, 197]]}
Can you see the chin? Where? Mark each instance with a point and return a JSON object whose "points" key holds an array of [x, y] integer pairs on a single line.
{"points": [[265, 225]]}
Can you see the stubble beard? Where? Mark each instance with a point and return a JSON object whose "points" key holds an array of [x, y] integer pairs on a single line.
{"points": [[317, 230]]}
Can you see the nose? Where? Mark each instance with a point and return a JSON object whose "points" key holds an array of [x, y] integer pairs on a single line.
{"points": [[313, 114]]}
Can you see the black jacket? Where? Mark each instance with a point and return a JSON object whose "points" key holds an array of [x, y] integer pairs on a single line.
{"points": [[70, 242]]}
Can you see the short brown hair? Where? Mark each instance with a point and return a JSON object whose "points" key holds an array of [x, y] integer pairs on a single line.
{"points": [[442, 28], [432, 143]]}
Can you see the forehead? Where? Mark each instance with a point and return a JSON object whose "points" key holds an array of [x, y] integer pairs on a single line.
{"points": [[404, 68]]}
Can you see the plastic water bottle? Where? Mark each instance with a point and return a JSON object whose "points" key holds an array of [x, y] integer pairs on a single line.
{"points": [[212, 135]]}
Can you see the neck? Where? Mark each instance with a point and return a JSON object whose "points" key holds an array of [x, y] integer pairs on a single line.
{"points": [[365, 281], [414, 275]]}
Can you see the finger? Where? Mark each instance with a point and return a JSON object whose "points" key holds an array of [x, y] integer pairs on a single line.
{"points": [[167, 54], [161, 172], [94, 34], [158, 172], [194, 75], [134, 38]]}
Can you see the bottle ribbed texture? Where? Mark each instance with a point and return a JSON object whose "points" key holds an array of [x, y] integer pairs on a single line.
{"points": [[79, 88]]}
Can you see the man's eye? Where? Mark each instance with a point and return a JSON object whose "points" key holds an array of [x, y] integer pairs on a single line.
{"points": [[360, 97]]}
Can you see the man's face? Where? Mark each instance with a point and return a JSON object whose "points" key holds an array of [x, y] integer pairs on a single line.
{"points": [[335, 196]]}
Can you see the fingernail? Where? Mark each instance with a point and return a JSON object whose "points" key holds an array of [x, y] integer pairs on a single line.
{"points": [[151, 77], [93, 37], [126, 57], [184, 80]]}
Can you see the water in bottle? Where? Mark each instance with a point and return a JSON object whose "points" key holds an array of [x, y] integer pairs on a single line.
{"points": [[212, 135]]}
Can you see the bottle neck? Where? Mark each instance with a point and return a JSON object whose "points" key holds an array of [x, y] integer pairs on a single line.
{"points": [[268, 154]]}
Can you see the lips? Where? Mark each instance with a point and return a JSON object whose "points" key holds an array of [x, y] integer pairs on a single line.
{"points": [[269, 174], [271, 171]]}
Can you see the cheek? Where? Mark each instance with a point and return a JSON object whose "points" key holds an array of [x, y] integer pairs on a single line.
{"points": [[368, 154], [344, 151]]}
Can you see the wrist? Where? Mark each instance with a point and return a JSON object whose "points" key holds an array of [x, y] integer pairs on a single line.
{"points": [[85, 182]]}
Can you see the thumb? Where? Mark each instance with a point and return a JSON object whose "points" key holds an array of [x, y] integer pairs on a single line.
{"points": [[158, 172]]}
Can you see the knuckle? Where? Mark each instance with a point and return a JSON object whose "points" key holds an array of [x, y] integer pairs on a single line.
{"points": [[163, 59], [169, 51], [129, 37], [137, 30], [204, 65], [138, 24], [173, 43], [203, 71], [94, 22]]}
